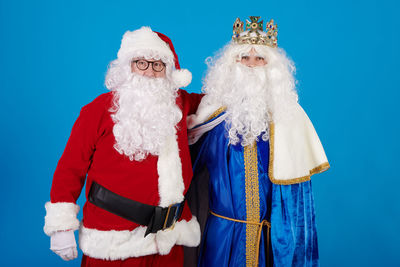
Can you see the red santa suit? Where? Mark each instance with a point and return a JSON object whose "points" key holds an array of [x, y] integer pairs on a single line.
{"points": [[157, 180]]}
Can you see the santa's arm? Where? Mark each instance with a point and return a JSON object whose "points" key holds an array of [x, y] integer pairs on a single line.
{"points": [[192, 100], [70, 174]]}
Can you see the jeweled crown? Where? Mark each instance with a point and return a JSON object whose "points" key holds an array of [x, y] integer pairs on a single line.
{"points": [[254, 34]]}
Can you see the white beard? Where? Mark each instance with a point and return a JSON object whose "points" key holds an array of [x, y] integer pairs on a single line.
{"points": [[145, 114], [247, 105], [254, 97]]}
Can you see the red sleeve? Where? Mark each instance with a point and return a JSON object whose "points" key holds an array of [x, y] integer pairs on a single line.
{"points": [[73, 165], [192, 100]]}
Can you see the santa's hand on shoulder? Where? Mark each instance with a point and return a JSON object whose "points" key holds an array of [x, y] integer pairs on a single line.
{"points": [[64, 245]]}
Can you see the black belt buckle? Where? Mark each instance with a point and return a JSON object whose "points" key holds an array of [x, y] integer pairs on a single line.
{"points": [[164, 218], [169, 213]]}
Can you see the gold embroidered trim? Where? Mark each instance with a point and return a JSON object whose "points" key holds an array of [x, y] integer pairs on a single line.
{"points": [[320, 168], [216, 113], [252, 203]]}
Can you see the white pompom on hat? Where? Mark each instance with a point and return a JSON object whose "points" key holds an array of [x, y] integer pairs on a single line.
{"points": [[147, 43]]}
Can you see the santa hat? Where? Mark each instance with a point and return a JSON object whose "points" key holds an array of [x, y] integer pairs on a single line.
{"points": [[149, 44]]}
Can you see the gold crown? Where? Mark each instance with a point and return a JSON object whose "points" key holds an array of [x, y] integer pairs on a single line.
{"points": [[255, 35]]}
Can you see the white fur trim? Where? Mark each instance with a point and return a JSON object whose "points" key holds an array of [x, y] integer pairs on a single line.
{"points": [[189, 232], [120, 245], [116, 245], [204, 111], [169, 167], [185, 233], [182, 77], [195, 133], [143, 39], [60, 216]]}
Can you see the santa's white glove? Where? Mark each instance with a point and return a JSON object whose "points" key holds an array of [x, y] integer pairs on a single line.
{"points": [[64, 245]]}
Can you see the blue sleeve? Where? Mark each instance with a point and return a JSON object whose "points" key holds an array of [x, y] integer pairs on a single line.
{"points": [[293, 231]]}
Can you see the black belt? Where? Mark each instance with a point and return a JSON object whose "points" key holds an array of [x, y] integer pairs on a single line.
{"points": [[154, 217]]}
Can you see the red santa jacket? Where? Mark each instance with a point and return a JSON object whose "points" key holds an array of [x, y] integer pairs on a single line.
{"points": [[158, 180]]}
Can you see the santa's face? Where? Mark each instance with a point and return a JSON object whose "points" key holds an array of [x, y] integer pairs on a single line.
{"points": [[252, 59], [150, 68]]}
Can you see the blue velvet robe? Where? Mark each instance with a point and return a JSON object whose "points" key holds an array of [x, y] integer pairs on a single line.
{"points": [[289, 209]]}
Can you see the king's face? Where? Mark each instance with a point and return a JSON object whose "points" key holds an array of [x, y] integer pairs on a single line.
{"points": [[252, 59]]}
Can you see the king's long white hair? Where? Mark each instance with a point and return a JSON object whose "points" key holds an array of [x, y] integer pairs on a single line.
{"points": [[254, 97], [144, 110]]}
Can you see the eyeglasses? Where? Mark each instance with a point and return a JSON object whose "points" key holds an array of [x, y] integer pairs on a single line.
{"points": [[142, 64]]}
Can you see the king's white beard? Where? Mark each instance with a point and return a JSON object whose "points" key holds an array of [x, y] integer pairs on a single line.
{"points": [[251, 97], [145, 114], [254, 97], [247, 105]]}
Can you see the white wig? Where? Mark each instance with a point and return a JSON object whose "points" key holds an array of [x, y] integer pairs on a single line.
{"points": [[254, 97]]}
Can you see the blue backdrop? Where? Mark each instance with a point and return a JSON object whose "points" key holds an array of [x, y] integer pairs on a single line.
{"points": [[54, 56]]}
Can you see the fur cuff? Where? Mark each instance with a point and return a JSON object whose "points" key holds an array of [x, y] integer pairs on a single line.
{"points": [[120, 245], [60, 216]]}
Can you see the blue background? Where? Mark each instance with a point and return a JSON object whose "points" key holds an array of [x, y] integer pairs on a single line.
{"points": [[54, 56]]}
